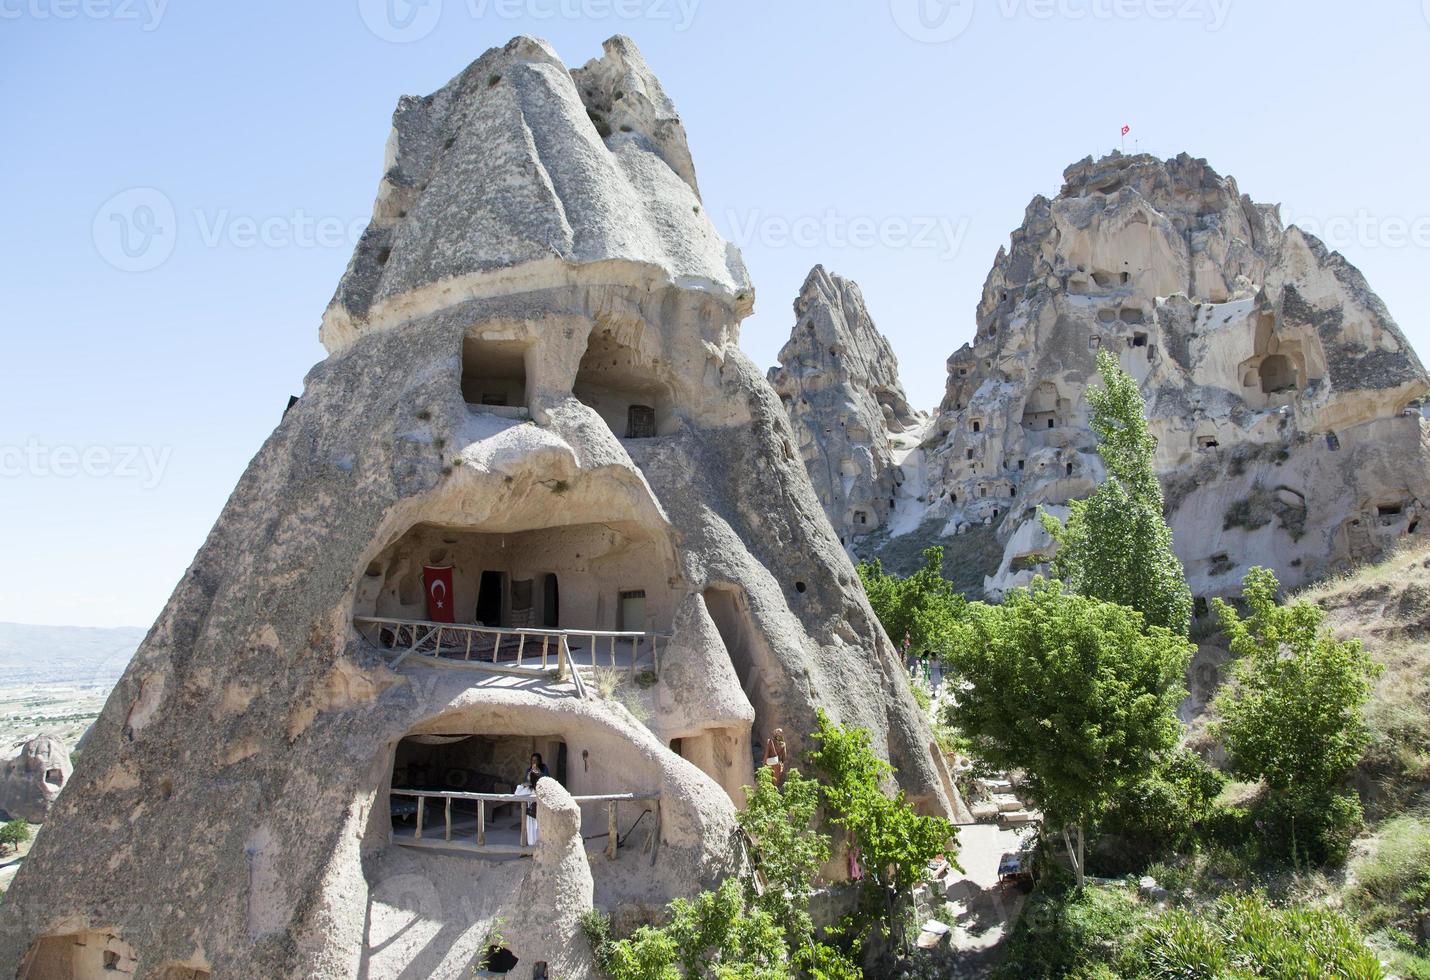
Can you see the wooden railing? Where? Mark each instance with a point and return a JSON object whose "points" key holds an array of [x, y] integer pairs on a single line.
{"points": [[478, 842], [483, 646]]}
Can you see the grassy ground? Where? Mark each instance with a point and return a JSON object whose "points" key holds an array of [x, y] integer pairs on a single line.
{"points": [[1387, 605]]}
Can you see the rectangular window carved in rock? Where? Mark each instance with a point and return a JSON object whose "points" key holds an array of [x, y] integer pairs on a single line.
{"points": [[640, 422]]}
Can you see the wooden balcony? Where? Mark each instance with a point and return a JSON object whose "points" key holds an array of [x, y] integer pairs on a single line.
{"points": [[520, 651], [470, 822]]}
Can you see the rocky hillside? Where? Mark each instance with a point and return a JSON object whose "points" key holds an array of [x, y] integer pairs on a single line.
{"points": [[1285, 400], [1387, 606], [839, 382]]}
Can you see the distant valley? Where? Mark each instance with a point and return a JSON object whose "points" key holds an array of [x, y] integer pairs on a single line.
{"points": [[55, 679]]}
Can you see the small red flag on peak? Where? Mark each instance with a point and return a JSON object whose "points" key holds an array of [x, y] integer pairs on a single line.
{"points": [[1126, 130]]}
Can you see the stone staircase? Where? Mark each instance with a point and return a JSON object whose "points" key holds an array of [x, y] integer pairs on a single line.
{"points": [[999, 803]]}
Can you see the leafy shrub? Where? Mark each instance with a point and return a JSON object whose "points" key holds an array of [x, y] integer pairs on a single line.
{"points": [[13, 834], [715, 934], [923, 606], [896, 843], [1293, 715], [1066, 932], [779, 820], [1246, 936], [1169, 808]]}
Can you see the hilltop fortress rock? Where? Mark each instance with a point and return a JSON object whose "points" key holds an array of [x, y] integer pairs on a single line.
{"points": [[1284, 399], [535, 466]]}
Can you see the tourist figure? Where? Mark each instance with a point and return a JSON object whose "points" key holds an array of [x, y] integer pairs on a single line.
{"points": [[537, 766], [775, 754], [528, 789]]}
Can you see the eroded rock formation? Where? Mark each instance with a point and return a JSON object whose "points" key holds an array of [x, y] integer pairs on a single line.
{"points": [[535, 416], [32, 778], [839, 382], [1285, 400]]}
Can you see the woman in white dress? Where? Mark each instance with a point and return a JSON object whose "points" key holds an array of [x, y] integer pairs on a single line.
{"points": [[528, 788]]}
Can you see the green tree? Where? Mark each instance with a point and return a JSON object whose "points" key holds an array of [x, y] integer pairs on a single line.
{"points": [[716, 934], [780, 822], [13, 834], [1293, 715], [923, 606], [1116, 545], [740, 931], [894, 841], [1078, 693]]}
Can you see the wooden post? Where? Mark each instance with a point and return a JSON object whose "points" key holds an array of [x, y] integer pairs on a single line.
{"points": [[520, 646], [469, 646], [635, 652], [481, 823], [437, 650], [654, 656], [447, 832], [593, 653], [612, 827], [613, 651], [420, 801], [545, 642], [496, 646], [521, 811]]}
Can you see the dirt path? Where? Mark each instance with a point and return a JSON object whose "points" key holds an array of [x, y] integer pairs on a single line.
{"points": [[984, 911]]}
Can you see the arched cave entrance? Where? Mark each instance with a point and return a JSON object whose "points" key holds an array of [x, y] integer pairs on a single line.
{"points": [[751, 658], [624, 389], [1276, 373]]}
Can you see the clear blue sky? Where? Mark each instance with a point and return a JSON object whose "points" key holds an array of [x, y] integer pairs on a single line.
{"points": [[923, 125]]}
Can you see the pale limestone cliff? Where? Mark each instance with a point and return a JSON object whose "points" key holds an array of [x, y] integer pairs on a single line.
{"points": [[839, 382], [533, 396]]}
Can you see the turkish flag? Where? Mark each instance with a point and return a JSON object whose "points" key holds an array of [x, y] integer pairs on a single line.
{"points": [[1126, 130], [440, 607]]}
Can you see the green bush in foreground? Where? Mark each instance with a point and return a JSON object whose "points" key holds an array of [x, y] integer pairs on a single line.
{"points": [[1245, 936], [715, 934], [896, 843], [1294, 715], [1065, 932], [1106, 933], [740, 932]]}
